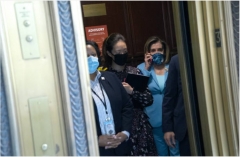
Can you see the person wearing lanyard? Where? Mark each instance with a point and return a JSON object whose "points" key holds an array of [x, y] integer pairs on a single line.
{"points": [[112, 105]]}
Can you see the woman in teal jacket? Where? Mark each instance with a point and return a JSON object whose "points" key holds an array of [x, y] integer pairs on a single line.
{"points": [[155, 66]]}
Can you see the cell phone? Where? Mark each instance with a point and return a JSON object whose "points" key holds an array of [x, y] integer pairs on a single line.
{"points": [[150, 60], [173, 145]]}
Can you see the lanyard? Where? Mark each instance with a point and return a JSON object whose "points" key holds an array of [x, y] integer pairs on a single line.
{"points": [[104, 102]]}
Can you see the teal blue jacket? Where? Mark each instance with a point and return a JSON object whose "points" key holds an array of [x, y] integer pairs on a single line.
{"points": [[154, 111]]}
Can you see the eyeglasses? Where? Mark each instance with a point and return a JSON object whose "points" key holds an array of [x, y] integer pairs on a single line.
{"points": [[123, 51]]}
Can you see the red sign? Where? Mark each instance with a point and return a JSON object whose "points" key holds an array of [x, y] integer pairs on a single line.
{"points": [[97, 34]]}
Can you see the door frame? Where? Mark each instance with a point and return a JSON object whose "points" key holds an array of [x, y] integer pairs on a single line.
{"points": [[215, 90]]}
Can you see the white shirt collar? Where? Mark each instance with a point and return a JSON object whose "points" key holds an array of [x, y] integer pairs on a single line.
{"points": [[96, 79]]}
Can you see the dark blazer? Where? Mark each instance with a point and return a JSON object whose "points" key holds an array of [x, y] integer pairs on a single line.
{"points": [[122, 110], [173, 111]]}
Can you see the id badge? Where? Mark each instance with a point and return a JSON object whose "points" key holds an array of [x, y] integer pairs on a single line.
{"points": [[109, 127]]}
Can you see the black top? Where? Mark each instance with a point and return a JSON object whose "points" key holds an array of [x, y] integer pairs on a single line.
{"points": [[139, 99]]}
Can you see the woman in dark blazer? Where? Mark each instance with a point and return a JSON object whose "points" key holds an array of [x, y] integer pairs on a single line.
{"points": [[113, 108]]}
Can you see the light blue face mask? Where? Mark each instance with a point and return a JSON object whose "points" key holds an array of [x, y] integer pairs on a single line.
{"points": [[158, 58], [92, 64]]}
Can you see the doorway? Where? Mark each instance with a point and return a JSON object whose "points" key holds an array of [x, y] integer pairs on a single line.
{"points": [[137, 21]]}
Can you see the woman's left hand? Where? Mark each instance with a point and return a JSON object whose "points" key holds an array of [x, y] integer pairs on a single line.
{"points": [[127, 87]]}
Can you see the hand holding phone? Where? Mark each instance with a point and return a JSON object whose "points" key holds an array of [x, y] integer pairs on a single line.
{"points": [[148, 60], [169, 138]]}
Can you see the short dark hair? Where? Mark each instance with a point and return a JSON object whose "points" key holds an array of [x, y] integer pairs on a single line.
{"points": [[154, 39], [95, 46], [108, 44]]}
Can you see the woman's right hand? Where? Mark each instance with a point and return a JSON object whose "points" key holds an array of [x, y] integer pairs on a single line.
{"points": [[127, 87], [148, 60]]}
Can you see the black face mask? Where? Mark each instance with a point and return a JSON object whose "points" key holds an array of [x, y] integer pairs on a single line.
{"points": [[121, 59]]}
